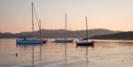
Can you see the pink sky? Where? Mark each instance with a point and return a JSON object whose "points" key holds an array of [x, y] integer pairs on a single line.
{"points": [[15, 15]]}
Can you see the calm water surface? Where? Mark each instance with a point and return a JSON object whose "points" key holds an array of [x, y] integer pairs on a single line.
{"points": [[104, 54]]}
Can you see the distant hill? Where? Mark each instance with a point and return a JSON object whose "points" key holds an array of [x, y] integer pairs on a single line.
{"points": [[119, 36], [7, 35], [59, 33]]}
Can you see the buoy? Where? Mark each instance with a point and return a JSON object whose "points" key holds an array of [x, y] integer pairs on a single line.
{"points": [[16, 54]]}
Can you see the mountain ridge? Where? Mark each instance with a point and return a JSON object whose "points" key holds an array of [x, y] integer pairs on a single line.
{"points": [[116, 36], [59, 33]]}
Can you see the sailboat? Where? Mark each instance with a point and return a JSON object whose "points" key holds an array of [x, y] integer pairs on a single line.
{"points": [[26, 40], [85, 41], [40, 31], [65, 39]]}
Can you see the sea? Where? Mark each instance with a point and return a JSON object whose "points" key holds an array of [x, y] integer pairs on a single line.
{"points": [[105, 53]]}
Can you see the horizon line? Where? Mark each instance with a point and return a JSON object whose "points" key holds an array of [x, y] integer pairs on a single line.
{"points": [[68, 30]]}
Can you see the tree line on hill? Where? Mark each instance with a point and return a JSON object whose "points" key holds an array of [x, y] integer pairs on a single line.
{"points": [[117, 36], [58, 33]]}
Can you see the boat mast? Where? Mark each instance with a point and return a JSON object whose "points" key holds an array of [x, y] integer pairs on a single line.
{"points": [[65, 26], [32, 19], [86, 27], [39, 24]]}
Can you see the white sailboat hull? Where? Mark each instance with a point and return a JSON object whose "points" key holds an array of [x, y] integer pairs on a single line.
{"points": [[85, 43]]}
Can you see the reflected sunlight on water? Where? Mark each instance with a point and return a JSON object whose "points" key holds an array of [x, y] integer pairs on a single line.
{"points": [[104, 54]]}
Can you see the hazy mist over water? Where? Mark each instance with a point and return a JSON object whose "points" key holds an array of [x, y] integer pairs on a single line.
{"points": [[106, 53]]}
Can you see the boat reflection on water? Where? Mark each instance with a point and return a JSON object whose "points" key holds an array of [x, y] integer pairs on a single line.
{"points": [[65, 51], [26, 45], [32, 52], [86, 53]]}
